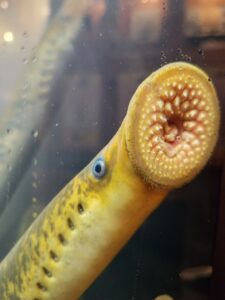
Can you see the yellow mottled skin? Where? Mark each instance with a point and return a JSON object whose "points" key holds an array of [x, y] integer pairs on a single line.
{"points": [[89, 221]]}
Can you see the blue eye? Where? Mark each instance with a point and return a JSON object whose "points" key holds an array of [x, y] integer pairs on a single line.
{"points": [[99, 168]]}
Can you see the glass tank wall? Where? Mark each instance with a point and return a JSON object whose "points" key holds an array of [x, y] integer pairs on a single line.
{"points": [[81, 78]]}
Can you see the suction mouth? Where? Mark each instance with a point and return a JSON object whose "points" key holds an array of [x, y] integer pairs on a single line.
{"points": [[172, 124]]}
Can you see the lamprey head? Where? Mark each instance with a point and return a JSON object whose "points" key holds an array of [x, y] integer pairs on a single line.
{"points": [[172, 124]]}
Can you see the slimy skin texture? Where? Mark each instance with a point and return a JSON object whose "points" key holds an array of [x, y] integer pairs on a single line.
{"points": [[88, 222]]}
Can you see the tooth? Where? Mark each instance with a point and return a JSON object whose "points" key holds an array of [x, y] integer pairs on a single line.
{"points": [[193, 93], [177, 101], [174, 84], [201, 116], [168, 107], [160, 104], [180, 86], [191, 114], [162, 118], [189, 125], [172, 93], [201, 105], [166, 93], [195, 101], [154, 117], [185, 93], [187, 136], [185, 105], [195, 142], [155, 140], [199, 129], [155, 129]]}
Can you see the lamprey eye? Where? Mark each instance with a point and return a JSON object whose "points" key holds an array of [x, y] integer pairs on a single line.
{"points": [[99, 168]]}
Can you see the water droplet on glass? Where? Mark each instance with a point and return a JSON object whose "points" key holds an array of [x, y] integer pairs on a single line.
{"points": [[34, 215], [34, 185], [34, 59], [163, 58], [164, 5], [188, 58], [185, 57], [34, 199], [201, 51], [35, 133]]}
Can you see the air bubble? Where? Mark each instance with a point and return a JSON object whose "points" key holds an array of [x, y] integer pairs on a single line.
{"points": [[163, 58], [200, 51]]}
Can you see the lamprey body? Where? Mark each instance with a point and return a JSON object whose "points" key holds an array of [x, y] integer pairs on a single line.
{"points": [[31, 104], [32, 108], [165, 139]]}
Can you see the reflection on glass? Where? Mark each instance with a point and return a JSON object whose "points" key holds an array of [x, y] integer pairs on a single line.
{"points": [[205, 18], [4, 4], [141, 21], [8, 36]]}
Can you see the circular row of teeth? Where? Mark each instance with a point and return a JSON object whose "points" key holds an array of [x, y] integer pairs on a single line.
{"points": [[182, 101]]}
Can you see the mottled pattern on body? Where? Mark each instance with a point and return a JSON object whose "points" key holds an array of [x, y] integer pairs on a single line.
{"points": [[39, 252]]}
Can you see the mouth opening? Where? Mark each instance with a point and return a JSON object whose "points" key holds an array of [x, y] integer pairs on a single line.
{"points": [[172, 124]]}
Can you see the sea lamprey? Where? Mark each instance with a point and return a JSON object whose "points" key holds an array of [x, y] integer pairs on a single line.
{"points": [[166, 138]]}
